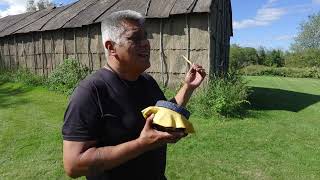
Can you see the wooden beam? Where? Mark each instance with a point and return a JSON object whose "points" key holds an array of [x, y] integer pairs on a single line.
{"points": [[53, 53], [42, 53], [34, 55], [209, 44], [63, 45], [24, 55], [16, 52], [161, 51], [75, 45], [89, 48], [98, 51], [188, 39]]}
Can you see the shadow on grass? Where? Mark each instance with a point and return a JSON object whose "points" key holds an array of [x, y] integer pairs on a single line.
{"points": [[9, 94], [278, 99]]}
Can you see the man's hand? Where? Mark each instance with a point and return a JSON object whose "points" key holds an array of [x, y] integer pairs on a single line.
{"points": [[195, 76], [193, 79], [151, 138]]}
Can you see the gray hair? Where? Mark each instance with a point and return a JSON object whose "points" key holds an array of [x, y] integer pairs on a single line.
{"points": [[111, 27]]}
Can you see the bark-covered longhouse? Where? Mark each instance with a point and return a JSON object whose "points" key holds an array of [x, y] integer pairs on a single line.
{"points": [[197, 29]]}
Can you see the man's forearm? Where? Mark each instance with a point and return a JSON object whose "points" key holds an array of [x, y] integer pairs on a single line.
{"points": [[184, 95], [95, 160]]}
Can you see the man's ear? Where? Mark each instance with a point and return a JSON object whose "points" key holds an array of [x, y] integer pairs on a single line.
{"points": [[110, 46]]}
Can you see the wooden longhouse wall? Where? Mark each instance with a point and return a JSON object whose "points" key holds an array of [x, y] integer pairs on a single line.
{"points": [[40, 41]]}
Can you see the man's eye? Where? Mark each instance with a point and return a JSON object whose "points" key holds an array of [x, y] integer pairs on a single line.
{"points": [[135, 39]]}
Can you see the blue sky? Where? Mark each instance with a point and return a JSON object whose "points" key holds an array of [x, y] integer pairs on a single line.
{"points": [[270, 23], [11, 7]]}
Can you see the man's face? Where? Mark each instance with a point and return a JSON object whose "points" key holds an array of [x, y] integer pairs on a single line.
{"points": [[133, 50]]}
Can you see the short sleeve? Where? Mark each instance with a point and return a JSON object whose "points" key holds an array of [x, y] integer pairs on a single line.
{"points": [[81, 119]]}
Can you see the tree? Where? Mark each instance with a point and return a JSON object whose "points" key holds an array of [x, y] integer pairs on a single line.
{"points": [[40, 5], [31, 6], [275, 58], [44, 4], [242, 56], [236, 57], [309, 35], [261, 56], [308, 58], [251, 55]]}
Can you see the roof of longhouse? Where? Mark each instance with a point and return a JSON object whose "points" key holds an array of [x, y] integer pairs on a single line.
{"points": [[85, 12]]}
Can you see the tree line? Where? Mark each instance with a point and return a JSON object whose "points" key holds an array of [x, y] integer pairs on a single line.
{"points": [[304, 51]]}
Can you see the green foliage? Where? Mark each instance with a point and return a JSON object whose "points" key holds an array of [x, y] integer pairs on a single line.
{"points": [[169, 93], [245, 56], [274, 58], [262, 56], [277, 144], [66, 76], [22, 75], [258, 70], [242, 56], [302, 59], [223, 96], [5, 76], [309, 35]]}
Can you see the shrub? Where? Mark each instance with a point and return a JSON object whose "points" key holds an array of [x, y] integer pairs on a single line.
{"points": [[22, 75], [66, 76], [29, 78], [306, 58], [5, 76], [255, 70], [222, 96]]}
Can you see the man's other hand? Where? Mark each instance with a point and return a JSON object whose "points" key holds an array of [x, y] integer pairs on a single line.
{"points": [[151, 138]]}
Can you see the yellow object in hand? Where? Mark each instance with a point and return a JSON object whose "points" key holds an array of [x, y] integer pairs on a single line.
{"points": [[168, 118]]}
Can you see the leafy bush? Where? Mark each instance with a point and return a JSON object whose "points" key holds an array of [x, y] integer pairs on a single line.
{"points": [[22, 75], [223, 96], [275, 58], [5, 76], [245, 56], [27, 77], [66, 76], [168, 92], [257, 70], [242, 56], [305, 58]]}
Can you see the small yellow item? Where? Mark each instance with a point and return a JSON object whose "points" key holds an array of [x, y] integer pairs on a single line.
{"points": [[168, 118], [188, 61]]}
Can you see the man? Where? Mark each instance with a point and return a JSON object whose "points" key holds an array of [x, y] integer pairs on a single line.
{"points": [[105, 135]]}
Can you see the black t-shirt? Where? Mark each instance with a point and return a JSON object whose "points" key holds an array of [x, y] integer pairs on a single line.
{"points": [[107, 109]]}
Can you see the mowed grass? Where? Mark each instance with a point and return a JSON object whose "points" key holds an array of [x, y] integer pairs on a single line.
{"points": [[30, 135], [278, 139]]}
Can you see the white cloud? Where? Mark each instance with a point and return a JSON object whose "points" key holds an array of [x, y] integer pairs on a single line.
{"points": [[284, 37], [265, 16], [13, 7], [316, 1]]}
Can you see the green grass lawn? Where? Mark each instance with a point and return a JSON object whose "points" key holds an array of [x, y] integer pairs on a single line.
{"points": [[278, 139]]}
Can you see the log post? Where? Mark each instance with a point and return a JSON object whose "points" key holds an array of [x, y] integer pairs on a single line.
{"points": [[16, 52], [34, 55], [88, 48], [161, 51]]}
